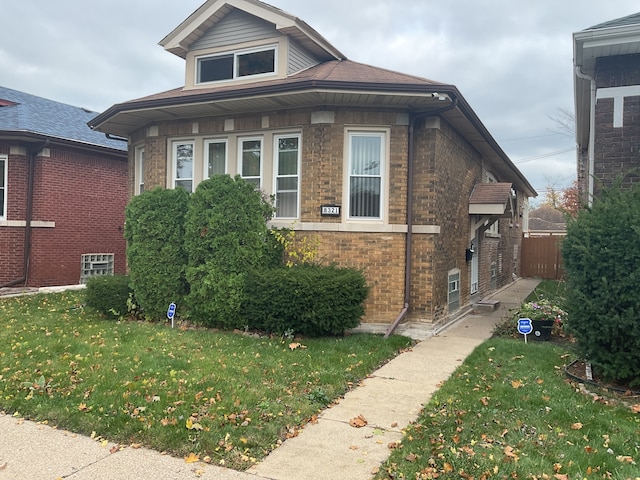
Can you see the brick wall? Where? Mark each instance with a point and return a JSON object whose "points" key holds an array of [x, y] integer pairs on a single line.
{"points": [[85, 195], [617, 150], [446, 169]]}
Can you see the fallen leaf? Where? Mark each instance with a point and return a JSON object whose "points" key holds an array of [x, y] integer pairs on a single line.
{"points": [[517, 384], [635, 408], [191, 458], [293, 346], [448, 468], [393, 445], [561, 476], [358, 422], [484, 401], [353, 447], [576, 426], [412, 457], [3, 466], [625, 459]]}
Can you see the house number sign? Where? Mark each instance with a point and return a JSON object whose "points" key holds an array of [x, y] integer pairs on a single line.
{"points": [[330, 210]]}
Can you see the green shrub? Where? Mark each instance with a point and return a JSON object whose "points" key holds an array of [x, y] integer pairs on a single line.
{"points": [[108, 294], [602, 264], [311, 300], [225, 239], [154, 231]]}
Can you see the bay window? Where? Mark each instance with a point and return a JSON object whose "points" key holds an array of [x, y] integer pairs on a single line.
{"points": [[250, 151], [183, 165], [287, 181]]}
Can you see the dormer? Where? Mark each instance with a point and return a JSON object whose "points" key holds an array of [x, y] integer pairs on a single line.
{"points": [[235, 42]]}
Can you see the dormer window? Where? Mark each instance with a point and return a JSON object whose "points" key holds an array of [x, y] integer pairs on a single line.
{"points": [[239, 64]]}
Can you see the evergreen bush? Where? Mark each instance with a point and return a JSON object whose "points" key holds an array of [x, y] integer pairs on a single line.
{"points": [[108, 294], [311, 300], [225, 239], [602, 262], [154, 230]]}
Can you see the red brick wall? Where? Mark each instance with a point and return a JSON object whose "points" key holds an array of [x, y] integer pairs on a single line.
{"points": [[85, 195]]}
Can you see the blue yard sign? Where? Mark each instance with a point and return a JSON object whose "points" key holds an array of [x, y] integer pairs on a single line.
{"points": [[171, 312], [525, 327]]}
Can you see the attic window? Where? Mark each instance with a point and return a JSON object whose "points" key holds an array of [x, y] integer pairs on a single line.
{"points": [[244, 63]]}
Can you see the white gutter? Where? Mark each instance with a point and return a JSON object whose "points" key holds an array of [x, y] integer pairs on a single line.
{"points": [[592, 131]]}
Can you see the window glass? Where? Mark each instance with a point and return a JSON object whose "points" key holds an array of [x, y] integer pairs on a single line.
{"points": [[255, 63], [287, 179], [217, 158], [213, 69], [140, 170], [251, 159], [365, 182], [454, 291], [184, 166]]}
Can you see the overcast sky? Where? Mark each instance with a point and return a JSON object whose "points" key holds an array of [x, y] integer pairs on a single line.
{"points": [[511, 60]]}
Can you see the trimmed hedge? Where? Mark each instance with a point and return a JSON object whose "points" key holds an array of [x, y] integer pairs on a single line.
{"points": [[154, 230], [225, 239], [108, 294], [311, 300], [602, 262]]}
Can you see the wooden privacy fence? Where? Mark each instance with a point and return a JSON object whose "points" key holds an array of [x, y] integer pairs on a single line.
{"points": [[541, 257]]}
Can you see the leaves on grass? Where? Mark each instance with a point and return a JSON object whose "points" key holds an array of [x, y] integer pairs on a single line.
{"points": [[191, 458]]}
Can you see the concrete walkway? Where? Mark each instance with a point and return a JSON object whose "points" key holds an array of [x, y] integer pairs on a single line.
{"points": [[330, 449]]}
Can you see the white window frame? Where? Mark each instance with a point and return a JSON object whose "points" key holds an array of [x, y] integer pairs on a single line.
{"points": [[5, 185], [383, 135], [241, 141], [208, 142], [276, 169], [451, 281], [236, 55], [139, 172], [174, 154]]}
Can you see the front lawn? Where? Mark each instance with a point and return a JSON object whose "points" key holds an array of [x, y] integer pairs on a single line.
{"points": [[226, 398], [509, 413]]}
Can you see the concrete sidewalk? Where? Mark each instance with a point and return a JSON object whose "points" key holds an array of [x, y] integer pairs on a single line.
{"points": [[332, 449]]}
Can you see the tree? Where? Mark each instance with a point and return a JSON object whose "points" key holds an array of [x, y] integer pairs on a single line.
{"points": [[602, 264]]}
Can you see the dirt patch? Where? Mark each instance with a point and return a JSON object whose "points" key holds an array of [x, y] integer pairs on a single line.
{"points": [[578, 371]]}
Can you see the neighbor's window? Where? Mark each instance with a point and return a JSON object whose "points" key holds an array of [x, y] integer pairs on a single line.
{"points": [[140, 169], [183, 165], [366, 164], [95, 264], [250, 151], [232, 65], [216, 161], [4, 174], [453, 295], [287, 176]]}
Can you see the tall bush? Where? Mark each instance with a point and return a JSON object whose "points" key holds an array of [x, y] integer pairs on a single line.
{"points": [[225, 238], [602, 261], [154, 231]]}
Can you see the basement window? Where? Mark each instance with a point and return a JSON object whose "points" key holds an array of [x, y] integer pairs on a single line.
{"points": [[96, 264], [232, 65], [453, 293]]}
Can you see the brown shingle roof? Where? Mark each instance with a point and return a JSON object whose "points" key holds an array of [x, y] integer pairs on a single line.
{"points": [[333, 71], [491, 193]]}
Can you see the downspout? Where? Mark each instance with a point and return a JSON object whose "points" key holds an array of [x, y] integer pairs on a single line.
{"points": [[409, 238], [592, 131], [26, 255]]}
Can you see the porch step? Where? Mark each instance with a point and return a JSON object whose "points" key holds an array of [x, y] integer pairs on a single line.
{"points": [[484, 306]]}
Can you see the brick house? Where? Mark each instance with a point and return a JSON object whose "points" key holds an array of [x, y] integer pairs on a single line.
{"points": [[393, 173], [607, 102], [63, 189]]}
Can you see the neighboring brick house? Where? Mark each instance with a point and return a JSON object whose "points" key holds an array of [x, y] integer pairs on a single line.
{"points": [[607, 102], [63, 189], [353, 154]]}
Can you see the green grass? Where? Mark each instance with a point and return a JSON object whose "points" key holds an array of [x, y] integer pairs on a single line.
{"points": [[509, 413], [225, 397]]}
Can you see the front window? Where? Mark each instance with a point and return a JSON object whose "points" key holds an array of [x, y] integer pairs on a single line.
{"points": [[251, 160], [366, 164], [216, 161], [232, 65], [140, 169], [3, 185], [287, 176], [183, 165]]}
